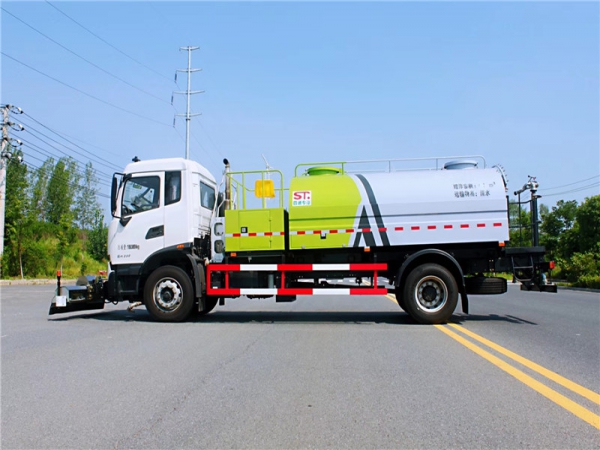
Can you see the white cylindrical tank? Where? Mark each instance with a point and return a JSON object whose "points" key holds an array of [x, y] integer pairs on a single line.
{"points": [[331, 209]]}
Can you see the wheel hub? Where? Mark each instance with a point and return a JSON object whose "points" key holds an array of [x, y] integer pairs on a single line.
{"points": [[431, 293], [167, 294]]}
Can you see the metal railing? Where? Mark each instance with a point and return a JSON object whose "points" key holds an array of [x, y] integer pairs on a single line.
{"points": [[240, 189], [390, 165]]}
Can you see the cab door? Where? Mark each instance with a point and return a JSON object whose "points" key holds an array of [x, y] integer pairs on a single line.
{"points": [[140, 230]]}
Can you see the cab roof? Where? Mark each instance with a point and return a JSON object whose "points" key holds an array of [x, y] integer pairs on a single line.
{"points": [[168, 164]]}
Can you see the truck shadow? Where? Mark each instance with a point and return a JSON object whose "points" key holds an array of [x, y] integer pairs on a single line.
{"points": [[489, 318], [287, 317]]}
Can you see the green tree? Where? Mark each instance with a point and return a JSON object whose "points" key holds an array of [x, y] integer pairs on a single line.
{"points": [[86, 206], [557, 233], [98, 238], [86, 203], [15, 229], [38, 182], [520, 226], [61, 192], [588, 221]]}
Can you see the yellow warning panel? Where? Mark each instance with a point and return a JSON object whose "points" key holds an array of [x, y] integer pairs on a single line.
{"points": [[264, 189]]}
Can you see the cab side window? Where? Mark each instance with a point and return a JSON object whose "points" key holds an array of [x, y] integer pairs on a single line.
{"points": [[140, 194], [207, 195], [172, 187]]}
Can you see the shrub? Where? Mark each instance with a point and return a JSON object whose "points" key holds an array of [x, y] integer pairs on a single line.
{"points": [[588, 281]]}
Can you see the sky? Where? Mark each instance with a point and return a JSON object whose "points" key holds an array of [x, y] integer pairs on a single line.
{"points": [[300, 82]]}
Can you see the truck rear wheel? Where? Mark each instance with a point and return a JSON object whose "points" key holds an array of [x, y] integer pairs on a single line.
{"points": [[430, 294], [168, 294], [399, 298]]}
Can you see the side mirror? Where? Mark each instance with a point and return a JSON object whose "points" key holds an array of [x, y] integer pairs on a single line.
{"points": [[113, 196], [117, 177]]}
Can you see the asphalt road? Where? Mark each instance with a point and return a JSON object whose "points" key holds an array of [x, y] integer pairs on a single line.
{"points": [[323, 372]]}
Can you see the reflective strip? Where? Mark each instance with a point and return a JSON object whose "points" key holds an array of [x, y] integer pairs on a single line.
{"points": [[374, 291], [366, 230], [331, 267], [266, 233], [253, 291], [222, 291], [297, 291], [258, 267], [296, 267], [331, 291], [368, 266]]}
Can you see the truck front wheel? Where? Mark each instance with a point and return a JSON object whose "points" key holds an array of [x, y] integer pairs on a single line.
{"points": [[430, 294], [168, 294]]}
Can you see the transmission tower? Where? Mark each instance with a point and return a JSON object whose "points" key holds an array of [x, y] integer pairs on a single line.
{"points": [[188, 115], [5, 156]]}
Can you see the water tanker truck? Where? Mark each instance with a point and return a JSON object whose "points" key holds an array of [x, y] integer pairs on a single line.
{"points": [[180, 245]]}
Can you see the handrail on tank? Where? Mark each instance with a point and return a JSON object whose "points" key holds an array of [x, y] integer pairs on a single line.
{"points": [[343, 164], [238, 185]]}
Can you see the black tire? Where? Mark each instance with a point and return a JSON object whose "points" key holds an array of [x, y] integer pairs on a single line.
{"points": [[209, 304], [400, 298], [430, 294], [168, 294], [485, 285]]}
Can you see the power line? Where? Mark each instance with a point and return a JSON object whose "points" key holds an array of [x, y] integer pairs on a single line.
{"points": [[84, 93], [108, 43], [60, 151], [84, 59], [78, 187], [202, 147], [49, 154], [62, 133], [95, 191], [209, 138], [570, 184], [582, 188], [62, 136], [35, 134]]}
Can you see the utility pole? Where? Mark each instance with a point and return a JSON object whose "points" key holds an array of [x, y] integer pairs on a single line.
{"points": [[188, 115], [5, 156]]}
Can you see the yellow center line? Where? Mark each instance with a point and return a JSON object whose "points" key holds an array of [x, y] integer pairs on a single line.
{"points": [[584, 392], [576, 409]]}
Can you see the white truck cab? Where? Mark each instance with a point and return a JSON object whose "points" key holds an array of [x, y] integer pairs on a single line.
{"points": [[159, 204]]}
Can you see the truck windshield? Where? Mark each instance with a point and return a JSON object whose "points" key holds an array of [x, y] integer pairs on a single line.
{"points": [[140, 194]]}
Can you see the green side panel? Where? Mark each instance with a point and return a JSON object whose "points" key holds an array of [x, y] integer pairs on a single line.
{"points": [[245, 221], [322, 202]]}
